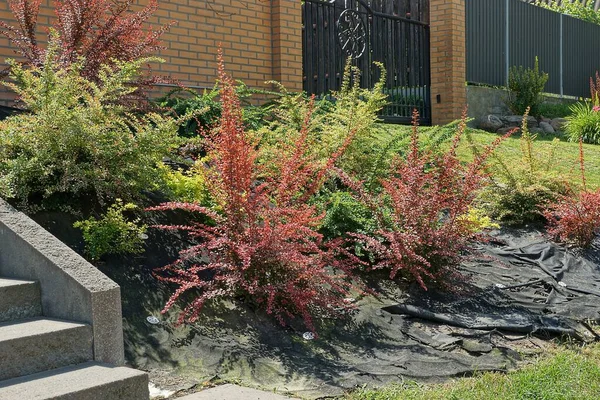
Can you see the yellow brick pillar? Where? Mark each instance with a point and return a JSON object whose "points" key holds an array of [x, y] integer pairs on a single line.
{"points": [[286, 28], [448, 60]]}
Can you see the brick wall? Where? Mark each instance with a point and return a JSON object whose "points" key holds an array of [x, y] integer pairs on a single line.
{"points": [[448, 62], [261, 40]]}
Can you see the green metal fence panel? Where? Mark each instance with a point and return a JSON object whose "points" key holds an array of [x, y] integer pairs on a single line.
{"points": [[581, 57], [505, 33], [535, 32], [485, 41]]}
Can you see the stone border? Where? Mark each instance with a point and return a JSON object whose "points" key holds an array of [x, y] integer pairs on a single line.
{"points": [[72, 289]]}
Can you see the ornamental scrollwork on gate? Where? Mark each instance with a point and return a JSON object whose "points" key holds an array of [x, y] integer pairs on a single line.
{"points": [[352, 33]]}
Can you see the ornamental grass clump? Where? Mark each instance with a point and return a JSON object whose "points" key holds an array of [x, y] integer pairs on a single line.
{"points": [[584, 121], [424, 211], [264, 246]]}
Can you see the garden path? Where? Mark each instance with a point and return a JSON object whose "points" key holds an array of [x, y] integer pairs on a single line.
{"points": [[234, 392]]}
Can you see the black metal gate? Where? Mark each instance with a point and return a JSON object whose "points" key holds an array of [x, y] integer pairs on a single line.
{"points": [[393, 32]]}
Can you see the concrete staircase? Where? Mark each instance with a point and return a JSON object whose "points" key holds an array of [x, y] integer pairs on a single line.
{"points": [[46, 358]]}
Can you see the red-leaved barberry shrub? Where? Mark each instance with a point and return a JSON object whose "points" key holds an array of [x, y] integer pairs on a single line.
{"points": [[576, 219], [264, 245], [99, 31], [422, 211]]}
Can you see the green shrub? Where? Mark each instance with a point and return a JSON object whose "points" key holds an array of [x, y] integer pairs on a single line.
{"points": [[180, 101], [549, 110], [183, 101], [351, 111], [521, 201], [187, 186], [344, 213], [584, 123], [477, 220], [524, 88], [578, 9], [392, 142], [519, 192], [113, 233], [77, 140]]}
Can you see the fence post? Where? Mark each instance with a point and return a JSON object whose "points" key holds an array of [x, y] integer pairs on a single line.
{"points": [[560, 51], [507, 42], [448, 60]]}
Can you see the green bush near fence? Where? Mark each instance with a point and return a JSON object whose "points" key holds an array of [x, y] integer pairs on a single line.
{"points": [[524, 88], [577, 10], [551, 110]]}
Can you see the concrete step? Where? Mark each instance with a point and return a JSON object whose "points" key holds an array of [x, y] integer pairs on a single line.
{"points": [[87, 381], [40, 344], [19, 300]]}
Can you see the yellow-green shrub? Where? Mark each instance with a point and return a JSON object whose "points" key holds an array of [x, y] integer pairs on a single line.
{"points": [[77, 139], [519, 192], [187, 186], [113, 233], [350, 111]]}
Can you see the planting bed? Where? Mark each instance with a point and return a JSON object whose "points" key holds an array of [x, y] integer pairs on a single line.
{"points": [[521, 290]]}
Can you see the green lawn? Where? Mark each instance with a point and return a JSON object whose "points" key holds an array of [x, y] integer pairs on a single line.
{"points": [[564, 374], [566, 156]]}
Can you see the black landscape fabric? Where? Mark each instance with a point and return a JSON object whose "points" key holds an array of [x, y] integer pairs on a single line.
{"points": [[519, 290]]}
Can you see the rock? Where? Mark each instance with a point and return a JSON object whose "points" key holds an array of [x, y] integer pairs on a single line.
{"points": [[504, 131], [547, 127], [535, 131], [490, 123], [516, 120], [558, 124], [473, 346], [544, 119]]}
